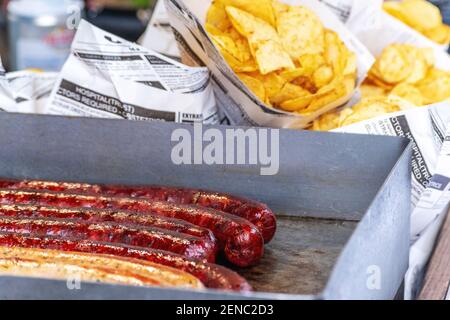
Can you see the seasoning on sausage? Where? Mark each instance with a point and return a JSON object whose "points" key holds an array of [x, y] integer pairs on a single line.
{"points": [[241, 241], [27, 262], [188, 246], [257, 213], [105, 215], [211, 275]]}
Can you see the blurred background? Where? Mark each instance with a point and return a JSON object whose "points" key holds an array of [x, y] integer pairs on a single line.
{"points": [[38, 32]]}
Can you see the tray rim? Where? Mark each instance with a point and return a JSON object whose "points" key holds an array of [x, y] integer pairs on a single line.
{"points": [[406, 146]]}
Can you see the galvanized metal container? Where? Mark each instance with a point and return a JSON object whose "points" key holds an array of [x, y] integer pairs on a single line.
{"points": [[343, 202]]}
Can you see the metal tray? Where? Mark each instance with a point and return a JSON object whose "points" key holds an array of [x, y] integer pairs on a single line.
{"points": [[343, 202]]}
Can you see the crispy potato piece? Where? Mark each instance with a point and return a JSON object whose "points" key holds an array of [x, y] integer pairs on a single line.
{"points": [[254, 84], [301, 32]]}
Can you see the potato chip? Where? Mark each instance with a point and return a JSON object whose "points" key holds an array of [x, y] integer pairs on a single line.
{"points": [[435, 87], [339, 89], [271, 56], [279, 8], [233, 55], [409, 93], [368, 109], [255, 85], [292, 74], [244, 50], [238, 66], [233, 46], [263, 39], [303, 102], [241, 45], [227, 44], [323, 76], [323, 100], [403, 77], [213, 30], [308, 64], [289, 92], [301, 32], [217, 17], [235, 35], [283, 53], [394, 8], [307, 83], [351, 66], [311, 62], [248, 25], [440, 34], [336, 54], [263, 10], [428, 54], [298, 104], [400, 103], [417, 62], [327, 122], [374, 78], [331, 120], [392, 66], [273, 83], [401, 63], [422, 16], [369, 91], [422, 86]]}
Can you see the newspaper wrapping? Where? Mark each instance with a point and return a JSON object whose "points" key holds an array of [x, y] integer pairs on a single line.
{"points": [[377, 29], [428, 128], [425, 127], [236, 103], [6, 98], [430, 196], [159, 36], [25, 91], [381, 31], [368, 21], [362, 14], [108, 77], [428, 217], [31, 90]]}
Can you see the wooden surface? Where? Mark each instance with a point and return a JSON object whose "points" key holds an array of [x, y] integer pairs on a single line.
{"points": [[301, 257], [437, 278]]}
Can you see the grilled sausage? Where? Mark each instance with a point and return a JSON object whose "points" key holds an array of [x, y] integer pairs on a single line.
{"points": [[27, 262], [188, 246], [212, 276], [241, 241], [255, 212], [122, 217]]}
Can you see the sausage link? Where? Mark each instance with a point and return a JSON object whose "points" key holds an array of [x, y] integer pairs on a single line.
{"points": [[211, 275], [188, 246], [241, 241], [257, 213], [122, 217], [26, 262]]}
